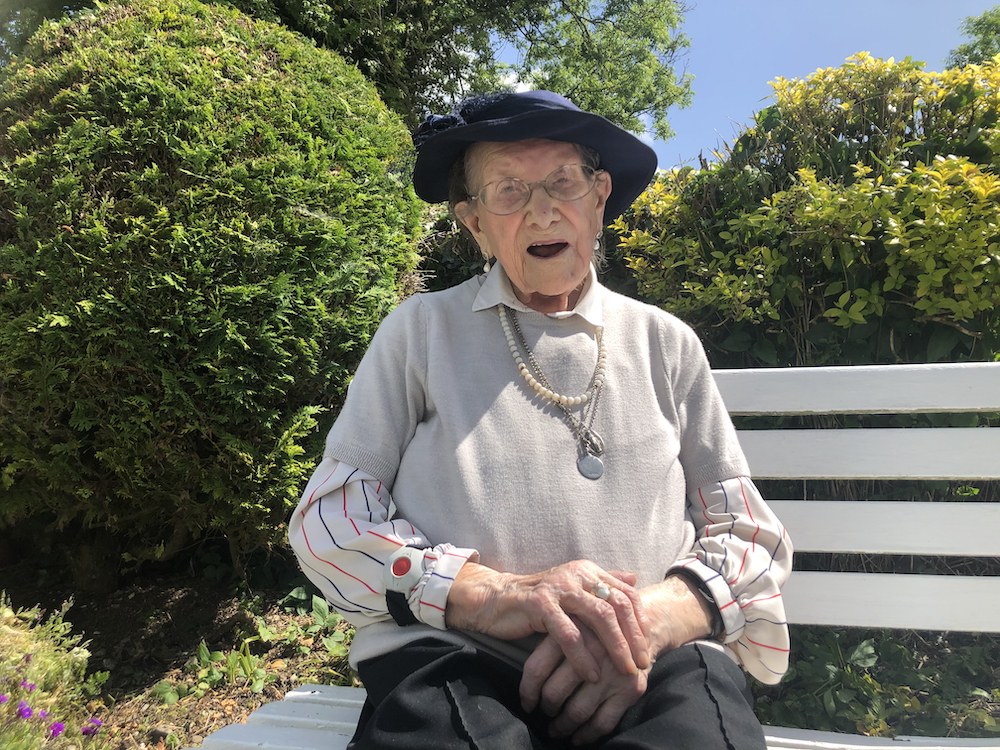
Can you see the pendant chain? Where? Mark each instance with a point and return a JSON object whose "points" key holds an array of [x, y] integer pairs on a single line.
{"points": [[590, 441]]}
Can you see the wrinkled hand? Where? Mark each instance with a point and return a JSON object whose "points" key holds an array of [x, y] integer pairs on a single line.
{"points": [[511, 606], [676, 614], [584, 710]]}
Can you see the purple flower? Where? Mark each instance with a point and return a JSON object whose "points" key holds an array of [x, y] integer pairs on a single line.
{"points": [[4, 699], [43, 714], [91, 728], [29, 686], [55, 729], [24, 710]]}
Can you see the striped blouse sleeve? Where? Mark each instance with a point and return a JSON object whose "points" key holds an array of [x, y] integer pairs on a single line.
{"points": [[744, 556], [342, 534]]}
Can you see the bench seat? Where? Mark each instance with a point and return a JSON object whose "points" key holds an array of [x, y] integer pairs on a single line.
{"points": [[316, 717], [321, 717]]}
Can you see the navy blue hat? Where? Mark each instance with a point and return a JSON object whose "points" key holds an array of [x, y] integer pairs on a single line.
{"points": [[506, 117]]}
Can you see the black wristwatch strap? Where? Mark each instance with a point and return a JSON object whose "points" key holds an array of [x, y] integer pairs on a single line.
{"points": [[399, 608], [718, 624]]}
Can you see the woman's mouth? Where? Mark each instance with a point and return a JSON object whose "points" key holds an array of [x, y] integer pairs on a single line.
{"points": [[547, 249]]}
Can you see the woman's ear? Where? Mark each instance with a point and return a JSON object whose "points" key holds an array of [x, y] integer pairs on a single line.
{"points": [[466, 214], [603, 190], [469, 218]]}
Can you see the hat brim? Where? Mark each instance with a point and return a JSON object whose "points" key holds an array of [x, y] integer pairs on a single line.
{"points": [[630, 162]]}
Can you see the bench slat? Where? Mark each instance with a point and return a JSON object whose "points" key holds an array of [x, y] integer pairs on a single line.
{"points": [[289, 713], [917, 602], [783, 738], [920, 453], [245, 737], [875, 389], [330, 695], [261, 737], [894, 528]]}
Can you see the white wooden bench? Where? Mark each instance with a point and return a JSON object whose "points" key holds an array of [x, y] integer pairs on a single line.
{"points": [[322, 718]]}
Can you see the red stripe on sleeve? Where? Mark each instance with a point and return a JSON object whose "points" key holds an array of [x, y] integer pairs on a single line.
{"points": [[394, 541], [743, 563], [704, 506], [320, 559], [753, 541], [347, 516], [318, 488], [764, 645], [754, 601]]}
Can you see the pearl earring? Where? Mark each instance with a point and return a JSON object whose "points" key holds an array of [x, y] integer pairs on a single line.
{"points": [[597, 242], [486, 266]]}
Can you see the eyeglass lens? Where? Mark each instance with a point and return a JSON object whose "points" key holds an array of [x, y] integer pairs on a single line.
{"points": [[565, 183]]}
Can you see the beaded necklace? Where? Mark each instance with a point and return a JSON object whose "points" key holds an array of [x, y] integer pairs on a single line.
{"points": [[591, 444]]}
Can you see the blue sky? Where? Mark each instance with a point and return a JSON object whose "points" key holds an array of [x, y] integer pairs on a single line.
{"points": [[738, 46]]}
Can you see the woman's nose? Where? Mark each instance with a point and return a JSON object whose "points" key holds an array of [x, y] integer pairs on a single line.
{"points": [[541, 206]]}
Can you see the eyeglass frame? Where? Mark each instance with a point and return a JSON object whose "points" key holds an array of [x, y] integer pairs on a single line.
{"points": [[594, 172]]}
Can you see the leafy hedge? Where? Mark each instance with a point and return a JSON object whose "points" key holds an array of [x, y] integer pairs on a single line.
{"points": [[855, 222], [199, 232]]}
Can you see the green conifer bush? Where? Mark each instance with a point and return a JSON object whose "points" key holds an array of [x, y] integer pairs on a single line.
{"points": [[200, 229]]}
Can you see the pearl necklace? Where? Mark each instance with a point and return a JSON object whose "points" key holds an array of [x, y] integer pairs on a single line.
{"points": [[591, 444], [540, 384]]}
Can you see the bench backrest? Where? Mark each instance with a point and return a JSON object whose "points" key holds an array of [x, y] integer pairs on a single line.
{"points": [[968, 528]]}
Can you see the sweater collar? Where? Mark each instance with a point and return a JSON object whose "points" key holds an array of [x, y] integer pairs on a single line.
{"points": [[497, 289]]}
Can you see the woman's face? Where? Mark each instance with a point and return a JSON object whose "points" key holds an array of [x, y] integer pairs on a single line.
{"points": [[546, 246]]}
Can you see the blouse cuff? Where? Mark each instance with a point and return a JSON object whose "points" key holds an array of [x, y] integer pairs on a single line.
{"points": [[429, 597]]}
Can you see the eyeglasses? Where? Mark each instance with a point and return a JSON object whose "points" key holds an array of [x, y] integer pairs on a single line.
{"points": [[566, 183]]}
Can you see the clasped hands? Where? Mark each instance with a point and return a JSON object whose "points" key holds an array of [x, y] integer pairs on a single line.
{"points": [[593, 663]]}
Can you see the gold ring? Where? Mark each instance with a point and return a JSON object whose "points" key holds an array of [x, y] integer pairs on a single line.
{"points": [[601, 590]]}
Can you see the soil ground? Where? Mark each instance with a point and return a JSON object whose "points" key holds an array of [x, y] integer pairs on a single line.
{"points": [[150, 627]]}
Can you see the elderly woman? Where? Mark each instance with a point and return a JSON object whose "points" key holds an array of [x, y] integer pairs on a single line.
{"points": [[571, 535]]}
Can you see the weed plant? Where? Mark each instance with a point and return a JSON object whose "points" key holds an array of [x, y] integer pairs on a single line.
{"points": [[886, 683], [243, 667], [43, 688]]}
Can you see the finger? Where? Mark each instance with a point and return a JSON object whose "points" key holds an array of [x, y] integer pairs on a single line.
{"points": [[605, 717], [631, 613], [578, 711], [601, 724], [615, 622], [559, 625], [537, 669], [558, 689], [634, 624], [630, 578], [625, 576]]}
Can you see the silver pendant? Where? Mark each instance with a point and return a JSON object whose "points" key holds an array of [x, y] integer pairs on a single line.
{"points": [[590, 466]]}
